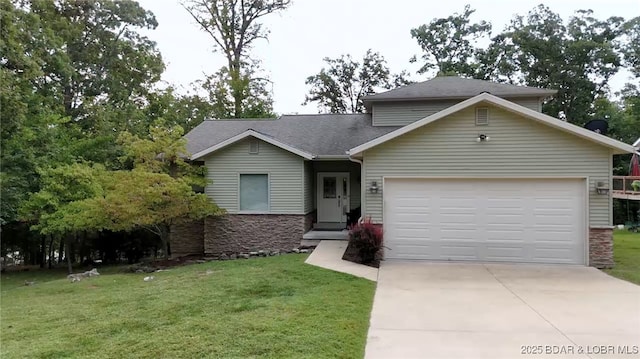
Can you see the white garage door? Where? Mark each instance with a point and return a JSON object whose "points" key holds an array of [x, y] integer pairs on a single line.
{"points": [[536, 221]]}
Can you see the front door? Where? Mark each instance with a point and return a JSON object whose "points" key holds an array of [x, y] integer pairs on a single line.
{"points": [[333, 195]]}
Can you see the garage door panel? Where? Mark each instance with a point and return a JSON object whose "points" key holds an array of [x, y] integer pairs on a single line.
{"points": [[539, 221]]}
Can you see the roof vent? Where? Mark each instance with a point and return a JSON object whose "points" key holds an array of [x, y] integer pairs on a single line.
{"points": [[254, 147], [482, 116]]}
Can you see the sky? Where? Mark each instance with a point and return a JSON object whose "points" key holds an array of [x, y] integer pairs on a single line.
{"points": [[310, 30]]}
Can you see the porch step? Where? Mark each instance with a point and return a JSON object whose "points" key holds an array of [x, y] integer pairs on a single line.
{"points": [[329, 226], [320, 235]]}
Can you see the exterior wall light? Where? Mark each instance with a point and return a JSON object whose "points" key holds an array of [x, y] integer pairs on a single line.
{"points": [[373, 188], [601, 188], [483, 138]]}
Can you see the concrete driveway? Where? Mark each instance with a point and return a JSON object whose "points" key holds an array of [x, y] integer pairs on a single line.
{"points": [[444, 310]]}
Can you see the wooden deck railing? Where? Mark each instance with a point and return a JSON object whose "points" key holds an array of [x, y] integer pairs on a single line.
{"points": [[622, 187]]}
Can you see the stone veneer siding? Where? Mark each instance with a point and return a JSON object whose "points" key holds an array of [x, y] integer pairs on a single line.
{"points": [[601, 247], [242, 233], [187, 239]]}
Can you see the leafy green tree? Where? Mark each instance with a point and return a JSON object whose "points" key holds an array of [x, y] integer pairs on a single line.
{"points": [[577, 58], [449, 44], [234, 26], [630, 44], [60, 187], [155, 194], [255, 98], [339, 88]]}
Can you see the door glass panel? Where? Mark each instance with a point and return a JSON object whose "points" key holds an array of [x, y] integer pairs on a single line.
{"points": [[329, 187], [344, 186]]}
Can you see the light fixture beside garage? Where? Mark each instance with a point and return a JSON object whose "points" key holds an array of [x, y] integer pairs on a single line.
{"points": [[602, 188], [483, 138], [373, 188]]}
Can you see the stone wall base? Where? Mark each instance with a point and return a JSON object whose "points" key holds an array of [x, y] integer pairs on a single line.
{"points": [[241, 233], [187, 239], [601, 247]]}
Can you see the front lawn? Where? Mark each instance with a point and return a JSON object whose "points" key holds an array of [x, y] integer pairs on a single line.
{"points": [[275, 307], [626, 254]]}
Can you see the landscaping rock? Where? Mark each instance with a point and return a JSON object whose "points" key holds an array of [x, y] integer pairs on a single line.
{"points": [[274, 253], [253, 254], [295, 250], [304, 251], [233, 256], [262, 253], [243, 255], [149, 278], [223, 257]]}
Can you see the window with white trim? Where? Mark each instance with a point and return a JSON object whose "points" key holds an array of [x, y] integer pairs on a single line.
{"points": [[254, 192], [482, 116], [254, 147]]}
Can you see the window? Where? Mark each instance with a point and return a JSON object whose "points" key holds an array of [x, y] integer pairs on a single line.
{"points": [[254, 192], [254, 147], [482, 116], [329, 187]]}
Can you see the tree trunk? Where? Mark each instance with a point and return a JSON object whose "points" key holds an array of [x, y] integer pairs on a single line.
{"points": [[61, 250], [165, 232], [43, 251], [68, 255], [50, 251]]}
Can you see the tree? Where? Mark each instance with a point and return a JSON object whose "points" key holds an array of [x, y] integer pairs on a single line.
{"points": [[71, 72], [255, 98], [631, 45], [234, 26], [449, 43], [539, 50], [139, 199], [340, 87], [155, 194], [60, 188]]}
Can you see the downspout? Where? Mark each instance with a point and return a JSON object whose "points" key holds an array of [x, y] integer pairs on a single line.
{"points": [[363, 186]]}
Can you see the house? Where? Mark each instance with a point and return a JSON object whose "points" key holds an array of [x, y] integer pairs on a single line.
{"points": [[454, 169]]}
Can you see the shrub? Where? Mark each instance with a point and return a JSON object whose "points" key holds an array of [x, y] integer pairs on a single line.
{"points": [[366, 237]]}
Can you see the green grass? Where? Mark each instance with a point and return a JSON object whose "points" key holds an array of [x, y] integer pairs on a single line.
{"points": [[626, 255], [275, 307]]}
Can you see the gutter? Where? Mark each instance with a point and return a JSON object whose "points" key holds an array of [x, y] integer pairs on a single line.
{"points": [[363, 186]]}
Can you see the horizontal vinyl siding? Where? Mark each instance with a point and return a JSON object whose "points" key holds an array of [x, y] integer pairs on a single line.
{"points": [[517, 147], [530, 103], [284, 169], [309, 200], [404, 113], [343, 166]]}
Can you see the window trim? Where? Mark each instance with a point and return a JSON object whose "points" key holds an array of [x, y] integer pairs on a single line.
{"points": [[478, 109], [268, 174]]}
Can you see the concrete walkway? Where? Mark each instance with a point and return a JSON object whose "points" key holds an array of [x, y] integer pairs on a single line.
{"points": [[445, 310], [328, 255]]}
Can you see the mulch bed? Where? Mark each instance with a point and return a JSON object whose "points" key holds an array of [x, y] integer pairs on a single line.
{"points": [[351, 254]]}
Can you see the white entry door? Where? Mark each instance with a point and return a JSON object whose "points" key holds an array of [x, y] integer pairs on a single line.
{"points": [[333, 195]]}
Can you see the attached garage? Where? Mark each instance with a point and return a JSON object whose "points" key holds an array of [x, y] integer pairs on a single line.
{"points": [[489, 180], [501, 220]]}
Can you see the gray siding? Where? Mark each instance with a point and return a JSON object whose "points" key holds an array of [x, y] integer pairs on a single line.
{"points": [[404, 113], [309, 193], [285, 176], [518, 147], [342, 166]]}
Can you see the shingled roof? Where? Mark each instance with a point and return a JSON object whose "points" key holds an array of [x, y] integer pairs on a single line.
{"points": [[319, 135], [452, 87]]}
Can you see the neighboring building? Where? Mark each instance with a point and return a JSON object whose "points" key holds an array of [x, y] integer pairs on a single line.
{"points": [[454, 169]]}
